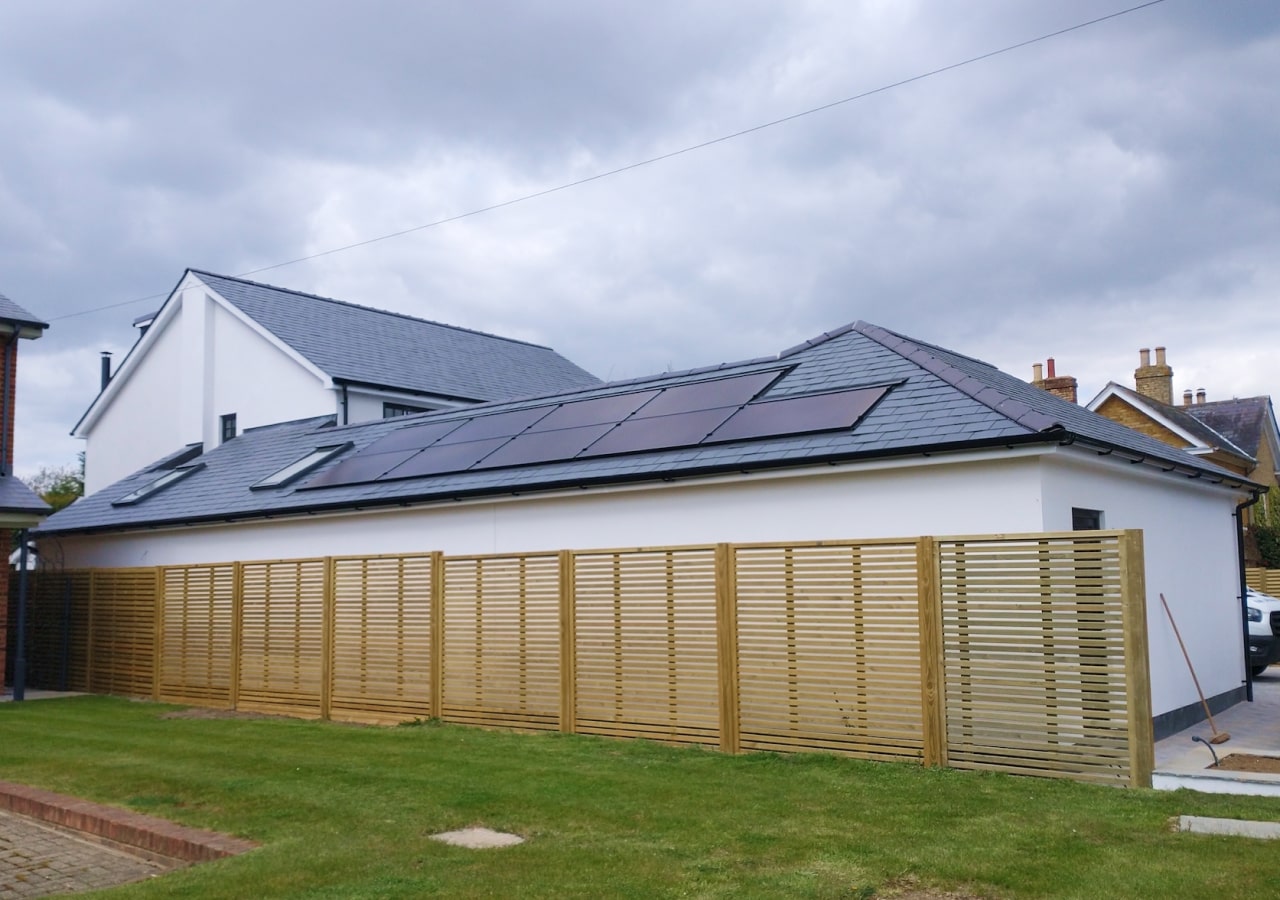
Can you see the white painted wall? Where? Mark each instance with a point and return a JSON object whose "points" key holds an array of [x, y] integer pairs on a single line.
{"points": [[1187, 525], [1191, 554], [201, 359]]}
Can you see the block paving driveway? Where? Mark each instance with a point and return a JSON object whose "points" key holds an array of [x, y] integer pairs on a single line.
{"points": [[39, 861]]}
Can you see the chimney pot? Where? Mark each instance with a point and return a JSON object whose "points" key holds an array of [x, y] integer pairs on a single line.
{"points": [[1200, 396], [1144, 356], [1186, 397], [1037, 372], [106, 369], [1160, 356], [1052, 373]]}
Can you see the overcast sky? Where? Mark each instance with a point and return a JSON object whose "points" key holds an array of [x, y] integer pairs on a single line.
{"points": [[1112, 188]]}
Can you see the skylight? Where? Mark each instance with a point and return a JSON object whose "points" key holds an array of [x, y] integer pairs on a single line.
{"points": [[298, 468], [154, 487]]}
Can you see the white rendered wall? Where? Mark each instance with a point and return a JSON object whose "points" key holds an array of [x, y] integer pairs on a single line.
{"points": [[136, 429], [1191, 555], [1188, 530]]}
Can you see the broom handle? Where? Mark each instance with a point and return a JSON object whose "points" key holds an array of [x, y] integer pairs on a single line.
{"points": [[1192, 668]]}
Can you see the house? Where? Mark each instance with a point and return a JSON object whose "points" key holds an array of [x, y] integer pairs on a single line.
{"points": [[1239, 434], [196, 374], [858, 433], [19, 507]]}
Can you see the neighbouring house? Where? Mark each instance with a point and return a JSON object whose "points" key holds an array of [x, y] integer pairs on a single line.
{"points": [[1239, 434], [19, 506], [224, 354], [859, 433]]}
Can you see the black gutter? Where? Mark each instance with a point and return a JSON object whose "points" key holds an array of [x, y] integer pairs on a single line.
{"points": [[1244, 589]]}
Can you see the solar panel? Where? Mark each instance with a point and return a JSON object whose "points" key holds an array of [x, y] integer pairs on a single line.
{"points": [[412, 438], [544, 446], [660, 432], [445, 458], [597, 411], [799, 415], [362, 467], [503, 425], [708, 394]]}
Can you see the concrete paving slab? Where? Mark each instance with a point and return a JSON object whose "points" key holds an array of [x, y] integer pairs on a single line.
{"points": [[1238, 827], [478, 838]]}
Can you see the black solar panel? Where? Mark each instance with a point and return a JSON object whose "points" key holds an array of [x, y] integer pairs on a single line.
{"points": [[504, 425], [362, 467], [597, 411], [660, 432], [444, 458], [799, 415], [707, 394], [544, 446], [412, 438]]}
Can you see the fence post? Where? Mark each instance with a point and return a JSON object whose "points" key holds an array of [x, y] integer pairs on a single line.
{"points": [[1133, 593], [327, 617], [568, 644], [237, 632], [437, 634], [932, 681], [727, 646], [157, 635]]}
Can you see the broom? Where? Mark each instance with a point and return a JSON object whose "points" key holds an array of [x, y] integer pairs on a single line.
{"points": [[1219, 737]]}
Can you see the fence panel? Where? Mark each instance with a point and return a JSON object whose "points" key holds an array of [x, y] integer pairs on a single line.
{"points": [[829, 649], [122, 637], [381, 669], [646, 644], [502, 641], [1265, 580], [1034, 655], [197, 631], [282, 637]]}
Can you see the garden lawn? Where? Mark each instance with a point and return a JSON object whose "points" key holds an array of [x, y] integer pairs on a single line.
{"points": [[345, 811]]}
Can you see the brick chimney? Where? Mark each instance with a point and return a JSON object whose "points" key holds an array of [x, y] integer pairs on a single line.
{"points": [[1155, 381], [1060, 386]]}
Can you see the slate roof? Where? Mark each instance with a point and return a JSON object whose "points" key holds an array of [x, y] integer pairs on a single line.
{"points": [[12, 312], [1243, 421], [358, 344], [938, 401], [16, 497], [1186, 418]]}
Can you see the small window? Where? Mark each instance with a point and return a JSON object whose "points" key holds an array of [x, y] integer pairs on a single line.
{"points": [[228, 427], [298, 468], [1086, 519], [392, 410], [154, 487]]}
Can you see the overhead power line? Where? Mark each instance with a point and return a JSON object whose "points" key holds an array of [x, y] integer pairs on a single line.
{"points": [[524, 198]]}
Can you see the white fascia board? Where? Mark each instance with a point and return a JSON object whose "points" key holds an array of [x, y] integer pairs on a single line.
{"points": [[168, 311], [1129, 397], [268, 336]]}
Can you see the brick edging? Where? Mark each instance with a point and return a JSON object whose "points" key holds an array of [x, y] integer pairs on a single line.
{"points": [[131, 829]]}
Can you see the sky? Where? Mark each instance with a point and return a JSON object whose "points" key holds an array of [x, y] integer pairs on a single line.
{"points": [[1108, 189]]}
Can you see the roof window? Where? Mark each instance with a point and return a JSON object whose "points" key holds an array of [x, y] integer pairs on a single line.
{"points": [[173, 476], [298, 468]]}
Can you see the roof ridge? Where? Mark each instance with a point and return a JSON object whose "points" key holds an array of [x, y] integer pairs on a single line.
{"points": [[373, 309], [979, 390]]}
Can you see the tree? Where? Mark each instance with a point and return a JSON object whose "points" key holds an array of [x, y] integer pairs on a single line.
{"points": [[1266, 528], [59, 485]]}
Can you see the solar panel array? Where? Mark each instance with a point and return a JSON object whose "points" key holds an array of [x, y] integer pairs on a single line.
{"points": [[718, 410]]}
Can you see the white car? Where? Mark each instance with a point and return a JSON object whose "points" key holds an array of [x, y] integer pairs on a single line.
{"points": [[1264, 626]]}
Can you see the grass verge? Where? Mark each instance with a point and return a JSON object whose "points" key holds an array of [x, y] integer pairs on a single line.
{"points": [[344, 811]]}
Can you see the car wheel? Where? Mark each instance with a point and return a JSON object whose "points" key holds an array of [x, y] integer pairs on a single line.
{"points": [[1258, 670]]}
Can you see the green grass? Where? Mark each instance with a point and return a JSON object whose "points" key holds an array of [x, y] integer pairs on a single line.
{"points": [[344, 811]]}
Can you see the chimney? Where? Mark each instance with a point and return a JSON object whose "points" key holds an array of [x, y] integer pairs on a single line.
{"points": [[1186, 397], [106, 370], [1064, 386], [1199, 396], [1155, 381]]}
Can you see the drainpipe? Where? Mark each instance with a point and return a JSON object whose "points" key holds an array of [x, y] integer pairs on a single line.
{"points": [[6, 414], [344, 403], [1244, 589]]}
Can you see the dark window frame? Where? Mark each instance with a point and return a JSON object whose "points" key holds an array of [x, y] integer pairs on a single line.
{"points": [[228, 427]]}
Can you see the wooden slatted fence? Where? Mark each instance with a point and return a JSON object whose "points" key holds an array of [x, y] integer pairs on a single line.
{"points": [[1265, 580], [1013, 653]]}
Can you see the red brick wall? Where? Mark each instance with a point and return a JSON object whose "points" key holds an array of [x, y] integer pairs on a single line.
{"points": [[6, 537]]}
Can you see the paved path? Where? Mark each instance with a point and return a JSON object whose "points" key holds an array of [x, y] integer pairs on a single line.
{"points": [[37, 861]]}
